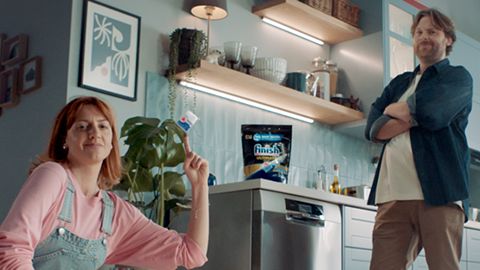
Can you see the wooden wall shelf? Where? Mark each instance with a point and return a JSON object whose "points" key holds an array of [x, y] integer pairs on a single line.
{"points": [[308, 20], [268, 93]]}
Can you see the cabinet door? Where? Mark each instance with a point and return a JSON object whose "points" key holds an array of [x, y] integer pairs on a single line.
{"points": [[358, 227], [473, 128], [473, 246], [357, 259], [466, 52], [472, 266], [399, 56], [421, 263]]}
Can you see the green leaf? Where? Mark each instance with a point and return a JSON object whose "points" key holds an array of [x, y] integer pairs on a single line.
{"points": [[174, 184], [134, 121]]}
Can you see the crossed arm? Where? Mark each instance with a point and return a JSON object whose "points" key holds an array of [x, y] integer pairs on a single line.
{"points": [[399, 122]]}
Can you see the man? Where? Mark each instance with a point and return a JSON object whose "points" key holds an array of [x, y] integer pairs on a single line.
{"points": [[420, 186]]}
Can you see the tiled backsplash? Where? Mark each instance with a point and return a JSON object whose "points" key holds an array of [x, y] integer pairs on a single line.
{"points": [[217, 137]]}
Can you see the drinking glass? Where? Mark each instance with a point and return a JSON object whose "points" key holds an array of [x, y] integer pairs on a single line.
{"points": [[232, 52], [247, 56]]}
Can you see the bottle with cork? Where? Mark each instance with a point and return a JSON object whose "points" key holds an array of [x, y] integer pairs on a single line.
{"points": [[335, 186]]}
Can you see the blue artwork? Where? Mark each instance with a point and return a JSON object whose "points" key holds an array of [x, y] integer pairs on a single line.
{"points": [[110, 50], [110, 47]]}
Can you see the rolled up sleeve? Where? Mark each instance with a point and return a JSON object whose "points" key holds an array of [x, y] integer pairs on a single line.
{"points": [[137, 241]]}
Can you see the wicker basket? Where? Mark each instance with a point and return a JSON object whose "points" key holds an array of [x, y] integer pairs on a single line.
{"points": [[325, 6], [346, 11]]}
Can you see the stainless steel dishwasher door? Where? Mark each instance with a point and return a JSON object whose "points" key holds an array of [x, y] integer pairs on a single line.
{"points": [[295, 239]]}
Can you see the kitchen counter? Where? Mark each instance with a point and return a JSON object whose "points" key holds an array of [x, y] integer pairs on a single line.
{"points": [[303, 192], [293, 190]]}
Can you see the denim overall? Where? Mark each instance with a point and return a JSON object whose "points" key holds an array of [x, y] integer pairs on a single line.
{"points": [[64, 250]]}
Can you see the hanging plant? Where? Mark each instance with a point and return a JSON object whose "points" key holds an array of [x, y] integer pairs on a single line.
{"points": [[187, 48]]}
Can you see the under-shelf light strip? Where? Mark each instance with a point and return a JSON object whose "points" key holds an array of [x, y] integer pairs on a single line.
{"points": [[244, 101], [292, 31]]}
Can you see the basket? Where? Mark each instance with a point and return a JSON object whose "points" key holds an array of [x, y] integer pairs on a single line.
{"points": [[325, 6], [346, 11]]}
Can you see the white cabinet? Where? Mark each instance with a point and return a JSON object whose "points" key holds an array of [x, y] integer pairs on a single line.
{"points": [[358, 227], [473, 245], [472, 266], [357, 259], [421, 263], [473, 128], [357, 237], [466, 52]]}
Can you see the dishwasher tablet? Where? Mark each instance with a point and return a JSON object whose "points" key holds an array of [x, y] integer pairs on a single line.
{"points": [[266, 151]]}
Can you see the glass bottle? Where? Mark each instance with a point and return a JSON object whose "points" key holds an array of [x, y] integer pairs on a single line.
{"points": [[323, 75], [335, 186], [321, 183]]}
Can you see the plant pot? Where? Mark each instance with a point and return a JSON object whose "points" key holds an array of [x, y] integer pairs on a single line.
{"points": [[191, 51]]}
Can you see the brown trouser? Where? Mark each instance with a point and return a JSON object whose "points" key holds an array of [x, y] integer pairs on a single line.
{"points": [[403, 228]]}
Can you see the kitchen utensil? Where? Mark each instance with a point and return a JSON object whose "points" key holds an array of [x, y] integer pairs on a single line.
{"points": [[272, 69], [247, 57], [361, 191], [474, 214], [232, 52], [297, 81]]}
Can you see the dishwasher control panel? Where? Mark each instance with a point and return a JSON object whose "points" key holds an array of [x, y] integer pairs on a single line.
{"points": [[303, 212]]}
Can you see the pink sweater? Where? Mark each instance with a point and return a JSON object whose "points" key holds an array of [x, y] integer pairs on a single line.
{"points": [[135, 240]]}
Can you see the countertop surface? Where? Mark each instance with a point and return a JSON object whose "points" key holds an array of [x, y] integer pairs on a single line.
{"points": [[303, 192]]}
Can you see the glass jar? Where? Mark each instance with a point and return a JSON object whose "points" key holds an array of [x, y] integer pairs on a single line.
{"points": [[333, 70], [323, 81]]}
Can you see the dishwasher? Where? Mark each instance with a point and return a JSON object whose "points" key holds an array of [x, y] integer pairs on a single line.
{"points": [[266, 230]]}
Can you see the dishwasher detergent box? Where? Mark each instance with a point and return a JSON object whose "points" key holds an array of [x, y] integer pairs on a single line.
{"points": [[266, 151]]}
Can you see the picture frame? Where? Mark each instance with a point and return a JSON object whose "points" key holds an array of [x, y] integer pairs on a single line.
{"points": [[9, 96], [14, 50], [2, 38], [109, 50], [30, 75]]}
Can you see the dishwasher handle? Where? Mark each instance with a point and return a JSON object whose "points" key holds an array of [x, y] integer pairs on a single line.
{"points": [[305, 218]]}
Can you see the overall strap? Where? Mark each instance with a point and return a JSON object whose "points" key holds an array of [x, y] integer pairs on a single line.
{"points": [[107, 215], [66, 213]]}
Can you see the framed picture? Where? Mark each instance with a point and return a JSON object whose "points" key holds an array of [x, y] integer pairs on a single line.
{"points": [[14, 50], [30, 75], [8, 88], [110, 48]]}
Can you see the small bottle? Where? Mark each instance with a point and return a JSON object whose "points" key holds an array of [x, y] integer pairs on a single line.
{"points": [[335, 186], [321, 183]]}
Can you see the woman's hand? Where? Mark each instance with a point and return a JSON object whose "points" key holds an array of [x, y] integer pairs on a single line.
{"points": [[195, 167]]}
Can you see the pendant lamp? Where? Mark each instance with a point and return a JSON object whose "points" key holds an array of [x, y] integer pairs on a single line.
{"points": [[209, 10]]}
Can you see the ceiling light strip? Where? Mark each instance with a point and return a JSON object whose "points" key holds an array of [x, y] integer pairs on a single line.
{"points": [[292, 31], [244, 101]]}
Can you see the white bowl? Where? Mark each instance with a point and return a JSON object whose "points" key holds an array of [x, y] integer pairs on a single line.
{"points": [[272, 69]]}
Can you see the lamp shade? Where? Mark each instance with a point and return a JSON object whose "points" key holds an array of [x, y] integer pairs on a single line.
{"points": [[209, 9]]}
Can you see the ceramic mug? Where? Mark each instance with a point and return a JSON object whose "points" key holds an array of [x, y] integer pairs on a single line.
{"points": [[297, 81]]}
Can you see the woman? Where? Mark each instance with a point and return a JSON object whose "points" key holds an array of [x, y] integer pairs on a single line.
{"points": [[64, 219]]}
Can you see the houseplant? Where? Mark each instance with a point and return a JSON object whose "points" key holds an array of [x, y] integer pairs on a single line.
{"points": [[187, 48], [155, 149]]}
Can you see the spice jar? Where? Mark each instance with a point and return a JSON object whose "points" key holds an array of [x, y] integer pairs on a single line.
{"points": [[333, 70]]}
